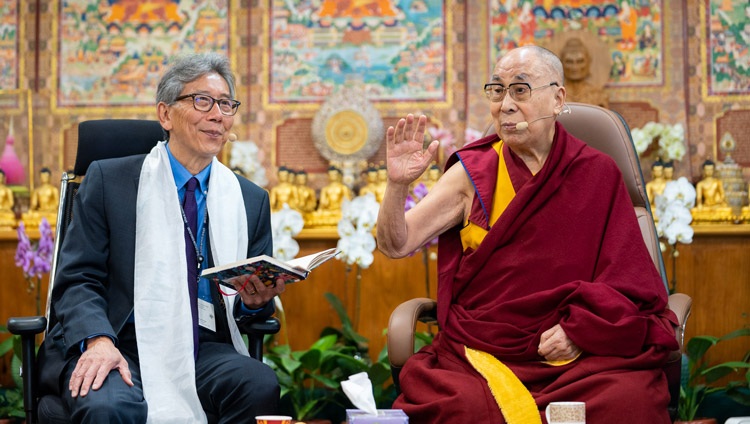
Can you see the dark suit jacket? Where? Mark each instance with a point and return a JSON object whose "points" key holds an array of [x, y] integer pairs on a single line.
{"points": [[93, 290]]}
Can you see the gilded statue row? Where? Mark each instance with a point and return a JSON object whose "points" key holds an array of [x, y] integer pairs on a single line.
{"points": [[43, 203], [325, 210], [711, 205]]}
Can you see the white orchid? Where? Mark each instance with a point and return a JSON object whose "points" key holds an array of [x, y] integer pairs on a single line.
{"points": [[358, 219], [671, 144], [673, 209], [248, 158], [285, 224]]}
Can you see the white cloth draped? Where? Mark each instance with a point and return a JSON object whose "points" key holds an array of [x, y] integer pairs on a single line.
{"points": [[162, 308]]}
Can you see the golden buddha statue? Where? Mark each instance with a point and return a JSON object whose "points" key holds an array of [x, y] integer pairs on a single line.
{"points": [[7, 201], [710, 201], [656, 186], [306, 198], [43, 203], [381, 183], [745, 211], [372, 182], [332, 197], [669, 171], [284, 191], [431, 177], [576, 61]]}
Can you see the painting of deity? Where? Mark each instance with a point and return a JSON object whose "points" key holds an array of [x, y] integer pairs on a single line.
{"points": [[394, 50], [9, 30], [632, 29], [728, 39], [112, 52]]}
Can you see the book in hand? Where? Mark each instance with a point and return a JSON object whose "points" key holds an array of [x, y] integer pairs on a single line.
{"points": [[268, 269]]}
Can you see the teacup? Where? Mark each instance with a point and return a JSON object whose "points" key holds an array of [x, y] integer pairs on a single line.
{"points": [[273, 419], [566, 413]]}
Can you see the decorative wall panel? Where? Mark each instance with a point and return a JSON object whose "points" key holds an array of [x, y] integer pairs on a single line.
{"points": [[112, 53], [394, 50]]}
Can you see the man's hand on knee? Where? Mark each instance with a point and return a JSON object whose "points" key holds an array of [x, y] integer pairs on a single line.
{"points": [[93, 367]]}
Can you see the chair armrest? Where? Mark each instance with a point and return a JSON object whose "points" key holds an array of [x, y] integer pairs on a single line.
{"points": [[402, 325], [680, 304], [255, 332], [28, 328], [27, 325]]}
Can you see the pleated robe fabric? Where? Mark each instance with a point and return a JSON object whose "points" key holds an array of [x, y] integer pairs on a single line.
{"points": [[568, 250]]}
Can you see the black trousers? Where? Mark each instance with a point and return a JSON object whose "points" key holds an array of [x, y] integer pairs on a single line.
{"points": [[231, 387]]}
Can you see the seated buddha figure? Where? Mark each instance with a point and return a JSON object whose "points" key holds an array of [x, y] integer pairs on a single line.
{"points": [[332, 196], [710, 201], [284, 191], [306, 198], [7, 216], [655, 187], [431, 177], [669, 171], [43, 203], [382, 182], [371, 185]]}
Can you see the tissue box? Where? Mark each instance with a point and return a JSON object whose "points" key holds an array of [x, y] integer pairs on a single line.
{"points": [[385, 416]]}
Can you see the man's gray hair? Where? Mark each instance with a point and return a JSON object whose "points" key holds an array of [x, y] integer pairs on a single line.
{"points": [[188, 68], [550, 61]]}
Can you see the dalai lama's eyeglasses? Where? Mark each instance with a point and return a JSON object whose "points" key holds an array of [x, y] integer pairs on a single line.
{"points": [[519, 91], [204, 103]]}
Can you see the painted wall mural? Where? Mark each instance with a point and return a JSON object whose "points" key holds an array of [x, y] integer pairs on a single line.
{"points": [[9, 30], [633, 30], [392, 49], [112, 52], [728, 52]]}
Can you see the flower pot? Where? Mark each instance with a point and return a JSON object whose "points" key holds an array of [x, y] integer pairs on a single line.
{"points": [[698, 421]]}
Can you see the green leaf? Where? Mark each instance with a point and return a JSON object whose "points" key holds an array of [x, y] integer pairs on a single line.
{"points": [[290, 365], [6, 346], [324, 343], [698, 345], [716, 372], [311, 359]]}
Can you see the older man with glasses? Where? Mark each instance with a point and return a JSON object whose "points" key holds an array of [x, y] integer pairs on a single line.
{"points": [[138, 334], [546, 291]]}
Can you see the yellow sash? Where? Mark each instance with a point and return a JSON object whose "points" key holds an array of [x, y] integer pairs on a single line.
{"points": [[515, 402], [472, 234]]}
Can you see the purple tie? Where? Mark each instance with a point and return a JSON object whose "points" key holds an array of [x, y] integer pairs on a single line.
{"points": [[190, 206]]}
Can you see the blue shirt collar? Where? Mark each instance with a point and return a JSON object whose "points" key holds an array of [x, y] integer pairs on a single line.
{"points": [[182, 175]]}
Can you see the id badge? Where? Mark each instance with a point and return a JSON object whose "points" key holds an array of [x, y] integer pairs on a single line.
{"points": [[206, 316]]}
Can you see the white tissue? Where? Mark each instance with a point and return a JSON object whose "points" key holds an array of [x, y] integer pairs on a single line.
{"points": [[358, 388]]}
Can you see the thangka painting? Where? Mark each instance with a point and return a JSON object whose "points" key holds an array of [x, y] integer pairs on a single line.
{"points": [[394, 50], [9, 31], [632, 29], [728, 38], [112, 52]]}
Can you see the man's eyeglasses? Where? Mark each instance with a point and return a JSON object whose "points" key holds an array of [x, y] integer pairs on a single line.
{"points": [[204, 103], [519, 91]]}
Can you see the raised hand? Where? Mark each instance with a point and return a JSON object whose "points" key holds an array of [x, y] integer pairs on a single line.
{"points": [[407, 159]]}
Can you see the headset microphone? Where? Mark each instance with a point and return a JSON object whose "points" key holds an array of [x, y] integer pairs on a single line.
{"points": [[524, 125], [232, 137]]}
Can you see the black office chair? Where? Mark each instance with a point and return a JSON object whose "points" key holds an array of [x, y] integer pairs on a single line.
{"points": [[606, 131], [97, 139]]}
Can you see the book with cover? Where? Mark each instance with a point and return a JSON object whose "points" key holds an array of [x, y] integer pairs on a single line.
{"points": [[269, 269]]}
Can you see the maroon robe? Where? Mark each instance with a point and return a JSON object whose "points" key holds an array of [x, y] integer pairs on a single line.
{"points": [[566, 250]]}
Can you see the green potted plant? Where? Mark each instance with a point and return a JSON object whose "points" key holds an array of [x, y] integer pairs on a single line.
{"points": [[11, 398], [310, 379], [700, 377]]}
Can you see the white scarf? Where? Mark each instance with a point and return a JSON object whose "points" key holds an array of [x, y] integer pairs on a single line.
{"points": [[162, 308]]}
